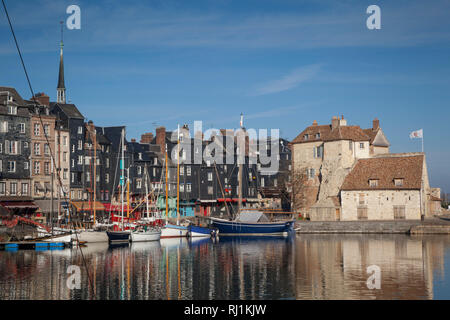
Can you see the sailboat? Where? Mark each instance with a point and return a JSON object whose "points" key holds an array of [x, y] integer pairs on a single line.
{"points": [[120, 235], [145, 233], [251, 222], [173, 230]]}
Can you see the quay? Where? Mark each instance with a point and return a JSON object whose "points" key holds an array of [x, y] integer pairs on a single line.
{"points": [[427, 226], [30, 245]]}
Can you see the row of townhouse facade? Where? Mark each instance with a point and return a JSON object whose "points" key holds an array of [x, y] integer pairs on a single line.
{"points": [[53, 159]]}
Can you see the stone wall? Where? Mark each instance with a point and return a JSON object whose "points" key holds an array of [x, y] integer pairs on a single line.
{"points": [[380, 204]]}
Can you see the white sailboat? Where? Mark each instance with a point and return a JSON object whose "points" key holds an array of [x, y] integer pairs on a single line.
{"points": [[171, 230]]}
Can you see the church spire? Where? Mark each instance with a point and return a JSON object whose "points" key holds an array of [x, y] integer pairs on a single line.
{"points": [[61, 89]]}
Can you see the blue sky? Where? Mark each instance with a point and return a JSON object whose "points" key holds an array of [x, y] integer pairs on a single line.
{"points": [[283, 63]]}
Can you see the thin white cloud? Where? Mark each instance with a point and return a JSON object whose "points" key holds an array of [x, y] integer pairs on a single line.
{"points": [[289, 81]]}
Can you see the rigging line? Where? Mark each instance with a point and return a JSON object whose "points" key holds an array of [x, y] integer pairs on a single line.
{"points": [[39, 114]]}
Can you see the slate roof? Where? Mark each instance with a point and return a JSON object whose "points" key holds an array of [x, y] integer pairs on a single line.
{"points": [[16, 96], [69, 109], [325, 133], [385, 170]]}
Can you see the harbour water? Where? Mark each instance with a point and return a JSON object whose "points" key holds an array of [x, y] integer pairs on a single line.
{"points": [[301, 267]]}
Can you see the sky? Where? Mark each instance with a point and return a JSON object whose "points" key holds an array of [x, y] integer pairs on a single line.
{"points": [[282, 63]]}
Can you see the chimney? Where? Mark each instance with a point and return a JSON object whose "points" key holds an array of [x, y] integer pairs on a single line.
{"points": [[334, 122], [161, 138], [147, 138], [314, 123], [42, 98], [375, 124], [133, 140], [342, 122]]}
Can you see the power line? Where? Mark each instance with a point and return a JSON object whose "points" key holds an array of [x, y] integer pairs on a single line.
{"points": [[45, 133]]}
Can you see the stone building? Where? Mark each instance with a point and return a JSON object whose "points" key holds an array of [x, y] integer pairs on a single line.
{"points": [[387, 187], [322, 156]]}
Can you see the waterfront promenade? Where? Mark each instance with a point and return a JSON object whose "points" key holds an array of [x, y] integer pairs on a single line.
{"points": [[428, 226]]}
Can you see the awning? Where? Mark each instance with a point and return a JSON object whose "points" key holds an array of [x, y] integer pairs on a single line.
{"points": [[19, 204], [86, 205]]}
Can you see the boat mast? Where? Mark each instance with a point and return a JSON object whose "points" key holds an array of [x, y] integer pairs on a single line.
{"points": [[146, 191], [240, 166], [128, 194], [123, 172], [178, 177], [95, 173], [167, 191]]}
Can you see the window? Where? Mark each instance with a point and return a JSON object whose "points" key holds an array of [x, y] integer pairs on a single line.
{"points": [[361, 145], [80, 144], [37, 149], [46, 129], [262, 182], [13, 188], [11, 166], [311, 173], [107, 162], [65, 173], [12, 110], [1, 148], [80, 159], [24, 189], [138, 183], [106, 195], [88, 176], [22, 127], [318, 152], [139, 170], [181, 171], [73, 163], [188, 171], [2, 188], [155, 161], [399, 212], [373, 183], [181, 187], [210, 176], [72, 177], [317, 135], [12, 147], [47, 167], [46, 149], [362, 198], [25, 145], [350, 145], [25, 165], [361, 213], [208, 163], [398, 182], [37, 167], [65, 156], [4, 126], [65, 141], [188, 187], [140, 155], [37, 130], [107, 177], [73, 148], [80, 130], [275, 182], [306, 137], [210, 190]]}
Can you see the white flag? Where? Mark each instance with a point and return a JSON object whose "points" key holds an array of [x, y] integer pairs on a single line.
{"points": [[416, 134]]}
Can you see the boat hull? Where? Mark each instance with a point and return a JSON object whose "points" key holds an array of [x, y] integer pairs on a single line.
{"points": [[118, 236], [145, 236], [197, 231], [91, 236], [62, 238], [173, 231], [236, 228]]}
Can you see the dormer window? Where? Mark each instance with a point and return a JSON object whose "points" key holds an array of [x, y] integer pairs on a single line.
{"points": [[140, 155], [398, 182], [306, 137], [318, 135], [373, 183]]}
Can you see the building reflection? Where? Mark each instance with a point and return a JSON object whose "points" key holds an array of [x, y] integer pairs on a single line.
{"points": [[335, 266], [305, 267]]}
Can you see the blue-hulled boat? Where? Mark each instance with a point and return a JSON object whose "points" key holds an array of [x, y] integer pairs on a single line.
{"points": [[252, 223], [198, 231]]}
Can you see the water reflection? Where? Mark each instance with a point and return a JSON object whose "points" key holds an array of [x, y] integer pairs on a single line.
{"points": [[302, 267]]}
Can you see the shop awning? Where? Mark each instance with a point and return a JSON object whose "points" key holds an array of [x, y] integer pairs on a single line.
{"points": [[19, 204], [86, 205]]}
